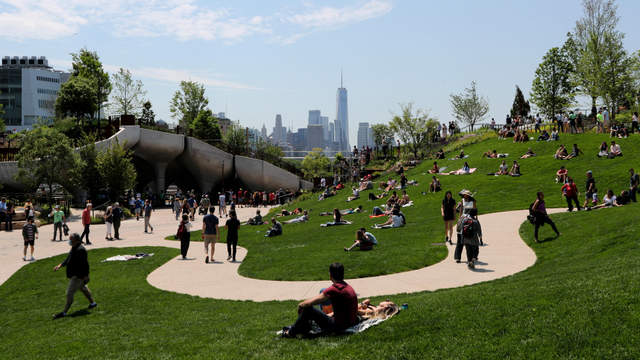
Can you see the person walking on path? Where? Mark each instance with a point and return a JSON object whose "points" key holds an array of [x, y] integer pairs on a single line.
{"points": [[633, 185], [541, 215], [184, 234], [77, 273], [118, 215], [147, 215], [448, 210], [108, 221], [466, 205], [343, 299], [29, 234], [58, 220], [205, 203], [86, 222], [8, 216], [571, 193], [3, 210], [472, 238], [590, 186], [138, 208], [192, 206], [210, 233], [222, 202], [233, 226], [177, 207]]}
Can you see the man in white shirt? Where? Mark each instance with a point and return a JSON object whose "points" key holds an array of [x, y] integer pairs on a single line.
{"points": [[615, 149], [323, 182], [222, 201]]}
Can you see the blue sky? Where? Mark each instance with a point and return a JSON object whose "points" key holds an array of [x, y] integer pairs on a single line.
{"points": [[262, 58]]}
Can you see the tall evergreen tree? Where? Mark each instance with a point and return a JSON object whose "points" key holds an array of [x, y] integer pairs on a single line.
{"points": [[520, 106]]}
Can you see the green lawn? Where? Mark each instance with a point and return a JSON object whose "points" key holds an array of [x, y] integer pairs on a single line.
{"points": [[580, 299]]}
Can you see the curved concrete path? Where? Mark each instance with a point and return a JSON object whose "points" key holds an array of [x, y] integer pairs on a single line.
{"points": [[504, 254]]}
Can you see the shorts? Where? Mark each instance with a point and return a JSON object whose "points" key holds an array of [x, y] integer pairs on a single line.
{"points": [[75, 284], [210, 239], [28, 242], [594, 202], [138, 211], [589, 195]]}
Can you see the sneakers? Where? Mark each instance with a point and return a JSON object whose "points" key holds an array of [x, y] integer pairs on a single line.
{"points": [[470, 265], [151, 228], [91, 306], [229, 258], [88, 243], [24, 258], [32, 258], [206, 260], [59, 316]]}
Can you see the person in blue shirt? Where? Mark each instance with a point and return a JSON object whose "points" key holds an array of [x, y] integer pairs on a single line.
{"points": [[210, 233], [138, 208]]}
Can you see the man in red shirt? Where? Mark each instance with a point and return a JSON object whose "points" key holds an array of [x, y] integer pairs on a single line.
{"points": [[86, 222], [272, 198], [571, 193], [343, 299]]}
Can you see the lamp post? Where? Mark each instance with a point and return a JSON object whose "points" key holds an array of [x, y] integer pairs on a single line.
{"points": [[223, 175]]}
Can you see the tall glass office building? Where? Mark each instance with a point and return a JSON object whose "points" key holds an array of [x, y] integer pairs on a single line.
{"points": [[342, 116]]}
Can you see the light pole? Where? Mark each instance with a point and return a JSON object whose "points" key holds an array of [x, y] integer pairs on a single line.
{"points": [[223, 175]]}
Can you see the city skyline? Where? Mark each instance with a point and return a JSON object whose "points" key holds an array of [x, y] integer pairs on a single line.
{"points": [[266, 58]]}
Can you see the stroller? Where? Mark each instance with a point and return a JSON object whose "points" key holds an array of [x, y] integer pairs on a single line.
{"points": [[201, 210]]}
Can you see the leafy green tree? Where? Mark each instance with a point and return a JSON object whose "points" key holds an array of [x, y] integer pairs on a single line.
{"points": [[127, 96], [315, 163], [552, 90], [86, 64], [412, 129], [89, 176], [267, 151], [116, 167], [188, 102], [76, 99], [469, 107], [235, 139], [520, 106], [205, 126], [148, 116], [618, 73], [380, 132], [46, 157]]}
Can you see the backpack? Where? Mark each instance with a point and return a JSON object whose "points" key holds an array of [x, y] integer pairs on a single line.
{"points": [[181, 230], [468, 228]]}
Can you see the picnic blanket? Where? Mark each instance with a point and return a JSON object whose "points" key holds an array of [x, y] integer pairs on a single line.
{"points": [[128, 257], [466, 156], [459, 172], [376, 216]]}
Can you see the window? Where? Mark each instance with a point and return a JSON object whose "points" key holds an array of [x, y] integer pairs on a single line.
{"points": [[47, 91], [47, 79], [45, 104]]}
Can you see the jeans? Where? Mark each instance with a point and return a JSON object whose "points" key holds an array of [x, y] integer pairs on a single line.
{"points": [[8, 222], [302, 325], [573, 127], [85, 232], [232, 244], [184, 243], [546, 220], [632, 194], [459, 246], [147, 224], [57, 227], [116, 228], [570, 204], [377, 211]]}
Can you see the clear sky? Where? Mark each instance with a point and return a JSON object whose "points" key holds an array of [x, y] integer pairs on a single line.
{"points": [[262, 58]]}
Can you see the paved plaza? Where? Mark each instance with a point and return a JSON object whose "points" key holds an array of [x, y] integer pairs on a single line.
{"points": [[504, 254]]}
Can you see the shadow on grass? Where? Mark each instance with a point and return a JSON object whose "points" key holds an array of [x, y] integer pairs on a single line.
{"points": [[82, 312]]}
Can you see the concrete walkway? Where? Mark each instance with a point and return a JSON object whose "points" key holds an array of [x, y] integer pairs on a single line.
{"points": [[504, 254]]}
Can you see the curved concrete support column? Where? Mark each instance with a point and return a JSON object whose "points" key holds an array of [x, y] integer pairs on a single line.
{"points": [[158, 149], [205, 163], [160, 169]]}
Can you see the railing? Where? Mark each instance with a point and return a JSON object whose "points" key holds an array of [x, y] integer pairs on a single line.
{"points": [[8, 154]]}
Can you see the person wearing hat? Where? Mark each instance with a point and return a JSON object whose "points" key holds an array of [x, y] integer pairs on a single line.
{"points": [[590, 186], [58, 220], [205, 203], [464, 209], [86, 222], [118, 215]]}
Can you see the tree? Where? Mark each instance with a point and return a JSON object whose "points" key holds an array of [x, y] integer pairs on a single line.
{"points": [[552, 90], [46, 157], [188, 102], [412, 129], [520, 106], [127, 95], [267, 151], [471, 107], [315, 163], [148, 116], [116, 167], [618, 73], [235, 139], [205, 126], [86, 64], [76, 99], [380, 132], [89, 176]]}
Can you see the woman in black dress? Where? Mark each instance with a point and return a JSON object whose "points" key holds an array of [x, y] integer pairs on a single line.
{"points": [[448, 214]]}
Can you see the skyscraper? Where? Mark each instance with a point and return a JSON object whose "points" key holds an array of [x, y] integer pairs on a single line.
{"points": [[279, 131], [314, 117], [314, 136], [264, 132], [365, 137], [342, 116]]}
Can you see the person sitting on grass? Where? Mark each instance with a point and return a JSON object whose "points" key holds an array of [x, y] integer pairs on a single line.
{"points": [[404, 200], [461, 156], [385, 310], [337, 219], [275, 230], [613, 130], [391, 184], [504, 168], [574, 152], [435, 185], [544, 136], [326, 194], [502, 134], [373, 197], [623, 199], [392, 199], [615, 149], [435, 169], [395, 220], [364, 241], [609, 200], [529, 153], [439, 155], [554, 135], [602, 150], [561, 153], [256, 220], [302, 218], [465, 168], [366, 185], [490, 155], [399, 169], [623, 133], [517, 137], [356, 194], [561, 175], [515, 169]]}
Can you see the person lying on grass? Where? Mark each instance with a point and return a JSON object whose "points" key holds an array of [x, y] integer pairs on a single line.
{"points": [[303, 218], [395, 220], [285, 212], [366, 185], [515, 169], [490, 155], [574, 152], [436, 168], [404, 200], [615, 149], [561, 175], [385, 310], [337, 219], [364, 241], [355, 194], [529, 153], [326, 194], [435, 185], [345, 212], [561, 153], [387, 186], [611, 200], [373, 196]]}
